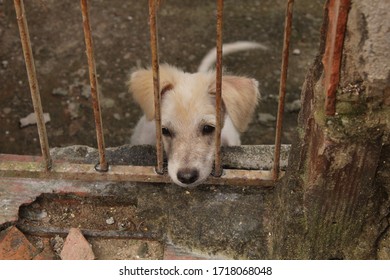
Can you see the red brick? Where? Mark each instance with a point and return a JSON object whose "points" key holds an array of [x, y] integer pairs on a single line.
{"points": [[15, 246], [76, 247]]}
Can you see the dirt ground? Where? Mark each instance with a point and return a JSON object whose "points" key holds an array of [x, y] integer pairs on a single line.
{"points": [[108, 225], [121, 39]]}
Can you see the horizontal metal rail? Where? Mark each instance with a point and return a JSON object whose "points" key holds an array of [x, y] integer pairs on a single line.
{"points": [[33, 167]]}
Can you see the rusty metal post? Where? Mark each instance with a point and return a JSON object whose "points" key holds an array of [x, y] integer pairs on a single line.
{"points": [[218, 93], [103, 165], [33, 82], [282, 87], [337, 21], [156, 83]]}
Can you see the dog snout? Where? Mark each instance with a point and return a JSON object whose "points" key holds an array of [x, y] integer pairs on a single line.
{"points": [[188, 175]]}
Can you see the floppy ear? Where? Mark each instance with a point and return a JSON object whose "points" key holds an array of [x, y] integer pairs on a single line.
{"points": [[240, 96], [141, 86]]}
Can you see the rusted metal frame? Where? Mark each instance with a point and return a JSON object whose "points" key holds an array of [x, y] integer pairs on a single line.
{"points": [[218, 94], [156, 84], [111, 234], [33, 82], [102, 165], [337, 21], [282, 87], [28, 167]]}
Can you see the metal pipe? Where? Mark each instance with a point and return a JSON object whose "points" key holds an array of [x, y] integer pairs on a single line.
{"points": [[109, 234], [282, 87], [102, 165], [33, 82], [156, 84], [337, 22], [28, 167], [218, 93]]}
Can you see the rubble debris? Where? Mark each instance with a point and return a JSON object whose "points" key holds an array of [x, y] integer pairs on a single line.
{"points": [[31, 119], [57, 243], [60, 91], [74, 110], [15, 246], [266, 118], [33, 214], [294, 106], [86, 91], [7, 110], [296, 52], [46, 252], [110, 221], [76, 247], [4, 63]]}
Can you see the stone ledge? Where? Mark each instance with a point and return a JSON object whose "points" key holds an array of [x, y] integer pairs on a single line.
{"points": [[238, 157]]}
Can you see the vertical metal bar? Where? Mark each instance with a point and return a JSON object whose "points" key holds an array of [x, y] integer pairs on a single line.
{"points": [[32, 79], [282, 87], [338, 15], [103, 165], [218, 95], [156, 83]]}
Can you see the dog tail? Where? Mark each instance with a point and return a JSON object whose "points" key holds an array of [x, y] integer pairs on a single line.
{"points": [[210, 58]]}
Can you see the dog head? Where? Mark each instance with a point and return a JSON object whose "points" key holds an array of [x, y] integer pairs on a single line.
{"points": [[188, 115]]}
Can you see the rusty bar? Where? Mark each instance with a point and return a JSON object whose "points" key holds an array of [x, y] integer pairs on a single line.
{"points": [[337, 22], [156, 84], [31, 168], [102, 165], [218, 93], [109, 234], [282, 87], [33, 82]]}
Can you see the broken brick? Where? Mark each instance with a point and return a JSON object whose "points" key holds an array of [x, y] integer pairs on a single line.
{"points": [[15, 246], [76, 247]]}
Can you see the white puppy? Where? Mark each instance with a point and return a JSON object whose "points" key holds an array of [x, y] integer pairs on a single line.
{"points": [[188, 116]]}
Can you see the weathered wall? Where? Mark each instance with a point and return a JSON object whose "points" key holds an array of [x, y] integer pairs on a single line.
{"points": [[334, 200], [330, 205], [217, 221]]}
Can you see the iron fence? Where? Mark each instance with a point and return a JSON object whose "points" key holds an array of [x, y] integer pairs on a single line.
{"points": [[46, 168]]}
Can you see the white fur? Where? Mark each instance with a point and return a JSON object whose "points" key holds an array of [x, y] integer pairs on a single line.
{"points": [[187, 109], [210, 58], [145, 133]]}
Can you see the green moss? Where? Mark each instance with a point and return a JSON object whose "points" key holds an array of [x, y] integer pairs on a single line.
{"points": [[344, 108]]}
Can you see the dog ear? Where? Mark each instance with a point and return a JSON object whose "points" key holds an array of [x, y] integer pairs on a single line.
{"points": [[240, 96], [142, 89]]}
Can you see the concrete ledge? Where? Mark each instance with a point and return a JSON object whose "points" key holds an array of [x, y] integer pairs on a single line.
{"points": [[225, 221], [239, 157]]}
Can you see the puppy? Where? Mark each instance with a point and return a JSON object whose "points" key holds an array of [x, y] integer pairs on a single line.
{"points": [[188, 117]]}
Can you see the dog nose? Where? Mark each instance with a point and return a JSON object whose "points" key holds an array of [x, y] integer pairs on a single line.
{"points": [[187, 175]]}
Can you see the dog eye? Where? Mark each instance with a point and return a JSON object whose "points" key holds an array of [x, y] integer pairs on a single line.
{"points": [[165, 131], [208, 129]]}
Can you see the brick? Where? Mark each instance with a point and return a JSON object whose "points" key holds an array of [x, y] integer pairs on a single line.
{"points": [[15, 246], [76, 247]]}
